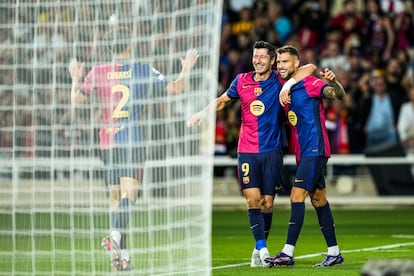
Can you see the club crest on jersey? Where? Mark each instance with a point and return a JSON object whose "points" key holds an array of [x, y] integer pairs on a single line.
{"points": [[257, 108], [246, 180], [293, 119], [258, 91]]}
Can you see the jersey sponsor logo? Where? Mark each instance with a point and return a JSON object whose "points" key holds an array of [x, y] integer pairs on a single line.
{"points": [[257, 108], [258, 91], [293, 119]]}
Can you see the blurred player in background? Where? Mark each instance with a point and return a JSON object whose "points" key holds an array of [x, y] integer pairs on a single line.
{"points": [[260, 151], [123, 87], [305, 112]]}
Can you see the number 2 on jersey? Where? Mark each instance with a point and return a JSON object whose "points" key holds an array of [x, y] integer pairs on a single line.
{"points": [[124, 90]]}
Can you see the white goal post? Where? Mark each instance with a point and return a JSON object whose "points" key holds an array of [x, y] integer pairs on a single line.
{"points": [[54, 199]]}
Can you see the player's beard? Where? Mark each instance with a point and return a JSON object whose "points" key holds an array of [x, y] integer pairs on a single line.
{"points": [[287, 75]]}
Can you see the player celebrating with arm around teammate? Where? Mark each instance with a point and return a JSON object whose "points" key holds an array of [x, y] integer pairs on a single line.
{"points": [[305, 112], [122, 87], [260, 157]]}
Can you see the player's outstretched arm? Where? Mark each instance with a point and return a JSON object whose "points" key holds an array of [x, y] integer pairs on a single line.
{"points": [[187, 63], [300, 74], [219, 103], [336, 90], [76, 71], [304, 71]]}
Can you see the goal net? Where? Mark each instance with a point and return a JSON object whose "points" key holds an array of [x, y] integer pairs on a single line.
{"points": [[56, 191]]}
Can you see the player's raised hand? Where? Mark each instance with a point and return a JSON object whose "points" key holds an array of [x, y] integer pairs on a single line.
{"points": [[335, 90], [195, 119], [76, 69], [190, 60], [328, 74]]}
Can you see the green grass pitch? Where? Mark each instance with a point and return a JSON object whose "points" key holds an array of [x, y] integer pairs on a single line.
{"points": [[363, 235]]}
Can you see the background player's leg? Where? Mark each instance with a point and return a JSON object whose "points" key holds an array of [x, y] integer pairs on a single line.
{"points": [[115, 196], [129, 191], [111, 243]]}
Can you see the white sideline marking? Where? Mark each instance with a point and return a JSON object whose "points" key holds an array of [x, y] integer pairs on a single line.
{"points": [[403, 236], [319, 254]]}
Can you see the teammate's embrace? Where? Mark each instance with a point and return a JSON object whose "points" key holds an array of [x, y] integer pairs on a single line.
{"points": [[260, 156], [122, 87], [306, 116]]}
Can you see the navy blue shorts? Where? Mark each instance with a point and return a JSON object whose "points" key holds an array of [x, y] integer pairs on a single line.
{"points": [[310, 173], [122, 162], [261, 170]]}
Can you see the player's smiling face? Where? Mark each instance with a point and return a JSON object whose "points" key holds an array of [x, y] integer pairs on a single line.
{"points": [[286, 65], [261, 61]]}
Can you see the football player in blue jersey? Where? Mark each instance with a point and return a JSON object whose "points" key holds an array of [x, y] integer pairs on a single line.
{"points": [[305, 112], [260, 154]]}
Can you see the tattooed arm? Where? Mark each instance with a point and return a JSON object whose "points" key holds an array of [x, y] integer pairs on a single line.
{"points": [[335, 91]]}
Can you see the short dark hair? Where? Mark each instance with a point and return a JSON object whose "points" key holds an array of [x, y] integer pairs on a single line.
{"points": [[292, 50], [117, 40], [271, 50]]}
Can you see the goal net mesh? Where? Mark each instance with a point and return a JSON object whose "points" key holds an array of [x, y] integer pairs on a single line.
{"points": [[54, 200]]}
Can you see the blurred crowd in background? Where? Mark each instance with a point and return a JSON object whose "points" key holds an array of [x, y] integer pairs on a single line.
{"points": [[34, 79], [369, 44]]}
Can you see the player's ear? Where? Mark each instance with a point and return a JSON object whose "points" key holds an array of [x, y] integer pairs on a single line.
{"points": [[297, 63]]}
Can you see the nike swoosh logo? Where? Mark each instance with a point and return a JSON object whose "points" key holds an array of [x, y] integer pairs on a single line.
{"points": [[254, 226], [298, 180], [246, 86]]}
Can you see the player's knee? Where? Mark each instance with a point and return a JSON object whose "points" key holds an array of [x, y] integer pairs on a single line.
{"points": [[298, 195], [318, 198], [267, 206], [253, 203], [318, 201]]}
